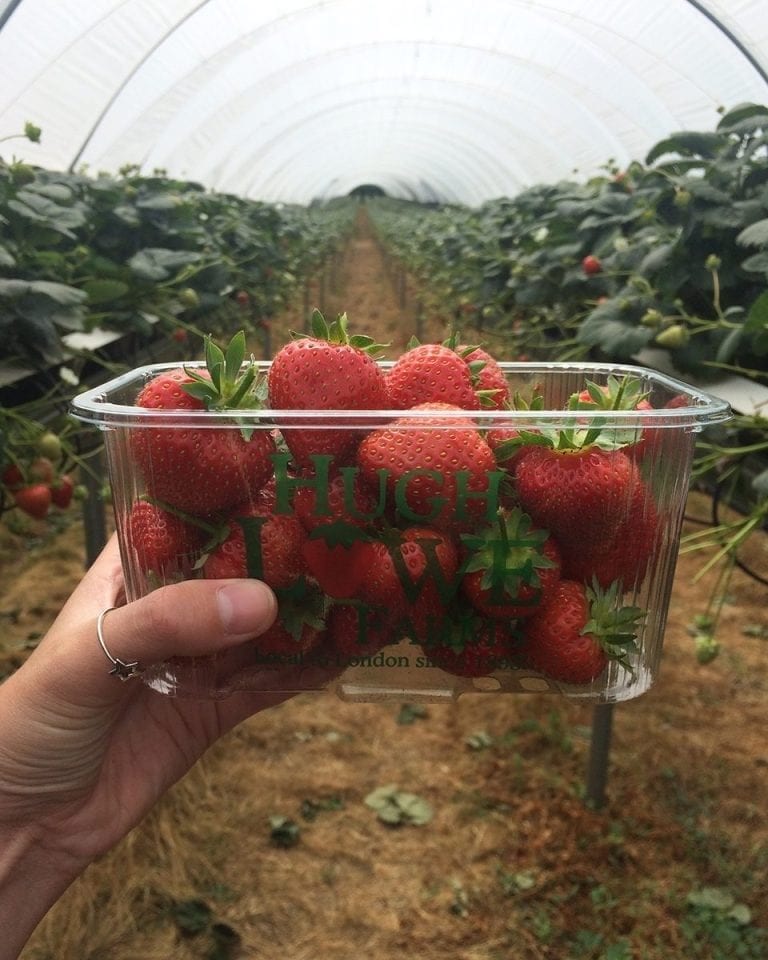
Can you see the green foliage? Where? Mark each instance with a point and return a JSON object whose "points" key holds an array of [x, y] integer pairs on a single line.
{"points": [[681, 243], [716, 927], [141, 254]]}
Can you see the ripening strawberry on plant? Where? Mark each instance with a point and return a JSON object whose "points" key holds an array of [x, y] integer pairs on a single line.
{"points": [[202, 470], [327, 370]]}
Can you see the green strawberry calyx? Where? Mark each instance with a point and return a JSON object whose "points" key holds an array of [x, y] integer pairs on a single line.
{"points": [[336, 332], [231, 382], [614, 627], [510, 556], [591, 431]]}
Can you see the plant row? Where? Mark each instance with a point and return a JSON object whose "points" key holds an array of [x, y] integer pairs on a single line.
{"points": [[671, 252], [144, 254]]}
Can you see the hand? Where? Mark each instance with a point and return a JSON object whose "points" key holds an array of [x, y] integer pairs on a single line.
{"points": [[84, 756]]}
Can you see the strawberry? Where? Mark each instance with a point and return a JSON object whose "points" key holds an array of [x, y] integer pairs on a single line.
{"points": [[576, 493], [62, 490], [260, 544], [12, 476], [437, 469], [579, 482], [488, 378], [591, 265], [281, 641], [412, 576], [512, 569], [163, 544], [34, 500], [488, 646], [207, 469], [335, 516], [49, 445], [578, 631], [431, 372], [329, 370], [300, 623], [41, 470], [623, 554], [356, 630]]}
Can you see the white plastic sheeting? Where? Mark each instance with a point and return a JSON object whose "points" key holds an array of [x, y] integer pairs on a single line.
{"points": [[293, 100]]}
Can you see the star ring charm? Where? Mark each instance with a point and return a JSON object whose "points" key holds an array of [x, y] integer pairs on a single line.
{"points": [[120, 668]]}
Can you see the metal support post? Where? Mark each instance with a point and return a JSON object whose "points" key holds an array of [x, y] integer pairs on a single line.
{"points": [[600, 746]]}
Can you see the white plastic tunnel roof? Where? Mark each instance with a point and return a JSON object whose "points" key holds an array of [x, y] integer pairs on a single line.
{"points": [[297, 100]]}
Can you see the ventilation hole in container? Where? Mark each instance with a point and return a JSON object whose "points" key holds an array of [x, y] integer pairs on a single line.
{"points": [[534, 684], [489, 684]]}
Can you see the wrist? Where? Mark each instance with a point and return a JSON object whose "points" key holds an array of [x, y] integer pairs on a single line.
{"points": [[32, 879]]}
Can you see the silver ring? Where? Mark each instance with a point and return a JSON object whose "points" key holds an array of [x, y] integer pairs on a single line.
{"points": [[121, 669]]}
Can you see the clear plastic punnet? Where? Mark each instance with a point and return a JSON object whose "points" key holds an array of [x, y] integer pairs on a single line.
{"points": [[418, 553]]}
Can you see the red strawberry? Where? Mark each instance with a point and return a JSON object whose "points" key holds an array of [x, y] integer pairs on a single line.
{"points": [[163, 544], [356, 630], [591, 265], [329, 370], [431, 372], [342, 498], [489, 380], [624, 554], [300, 623], [34, 500], [575, 634], [12, 476], [62, 490], [280, 641], [577, 493], [335, 515], [259, 544], [512, 569], [580, 482], [207, 469], [412, 576], [437, 469], [491, 645]]}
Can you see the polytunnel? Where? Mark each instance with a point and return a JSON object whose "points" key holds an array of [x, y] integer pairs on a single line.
{"points": [[298, 100]]}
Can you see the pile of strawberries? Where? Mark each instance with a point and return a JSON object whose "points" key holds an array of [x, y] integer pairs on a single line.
{"points": [[490, 547]]}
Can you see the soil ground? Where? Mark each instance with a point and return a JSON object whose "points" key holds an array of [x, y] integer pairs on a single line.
{"points": [[512, 864]]}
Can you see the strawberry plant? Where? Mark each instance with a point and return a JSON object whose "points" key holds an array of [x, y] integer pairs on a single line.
{"points": [[36, 467], [145, 255]]}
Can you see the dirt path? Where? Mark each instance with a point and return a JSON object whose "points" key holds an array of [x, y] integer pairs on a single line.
{"points": [[380, 300], [512, 865]]}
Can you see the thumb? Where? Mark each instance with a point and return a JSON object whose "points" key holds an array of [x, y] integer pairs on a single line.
{"points": [[188, 619], [191, 618]]}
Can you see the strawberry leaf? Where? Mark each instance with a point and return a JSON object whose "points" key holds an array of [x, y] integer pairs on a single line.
{"points": [[235, 355]]}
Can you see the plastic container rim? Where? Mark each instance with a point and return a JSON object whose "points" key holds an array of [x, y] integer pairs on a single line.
{"points": [[705, 409]]}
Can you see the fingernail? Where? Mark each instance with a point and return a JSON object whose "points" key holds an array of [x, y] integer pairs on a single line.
{"points": [[246, 607]]}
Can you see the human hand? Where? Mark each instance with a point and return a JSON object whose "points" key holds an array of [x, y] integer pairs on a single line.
{"points": [[83, 756]]}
